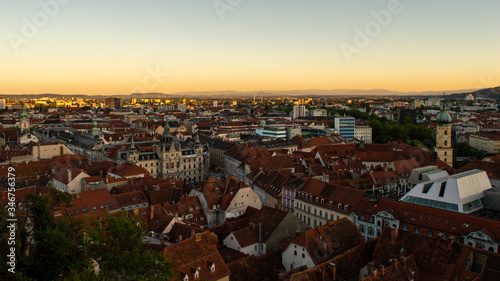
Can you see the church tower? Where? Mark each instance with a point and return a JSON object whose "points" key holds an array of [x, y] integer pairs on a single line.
{"points": [[25, 122], [95, 129], [443, 147]]}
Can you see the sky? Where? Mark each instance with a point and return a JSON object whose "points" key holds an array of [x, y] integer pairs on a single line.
{"points": [[119, 47]]}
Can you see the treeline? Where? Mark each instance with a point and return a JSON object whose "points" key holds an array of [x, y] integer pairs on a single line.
{"points": [[384, 130], [85, 249]]}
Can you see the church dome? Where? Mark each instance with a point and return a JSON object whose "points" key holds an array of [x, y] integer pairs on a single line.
{"points": [[443, 117], [167, 139]]}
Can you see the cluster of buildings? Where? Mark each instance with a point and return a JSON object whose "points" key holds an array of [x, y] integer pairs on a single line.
{"points": [[245, 193]]}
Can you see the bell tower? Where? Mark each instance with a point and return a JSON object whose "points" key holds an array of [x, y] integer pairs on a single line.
{"points": [[25, 122], [443, 147]]}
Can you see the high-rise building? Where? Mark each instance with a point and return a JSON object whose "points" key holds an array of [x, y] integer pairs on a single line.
{"points": [[113, 102], [345, 125], [443, 147], [298, 111], [2, 104]]}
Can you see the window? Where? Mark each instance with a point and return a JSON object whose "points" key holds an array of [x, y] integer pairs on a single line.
{"points": [[405, 227], [362, 228], [294, 253], [370, 231], [303, 256], [430, 233], [416, 229], [445, 142]]}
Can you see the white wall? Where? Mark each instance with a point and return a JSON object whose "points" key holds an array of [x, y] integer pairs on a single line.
{"points": [[293, 255], [244, 197]]}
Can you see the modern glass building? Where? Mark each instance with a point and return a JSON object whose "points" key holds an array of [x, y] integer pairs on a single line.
{"points": [[345, 125]]}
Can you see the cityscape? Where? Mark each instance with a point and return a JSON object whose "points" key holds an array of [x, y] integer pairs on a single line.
{"points": [[233, 140]]}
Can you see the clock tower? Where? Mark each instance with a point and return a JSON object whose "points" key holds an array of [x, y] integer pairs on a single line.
{"points": [[443, 147]]}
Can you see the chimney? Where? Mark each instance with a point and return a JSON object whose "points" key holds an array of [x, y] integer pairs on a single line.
{"points": [[192, 232], [394, 235], [69, 175], [374, 272], [323, 247], [333, 269], [136, 211], [451, 239], [179, 238], [157, 187], [173, 184], [252, 226], [382, 269], [151, 212], [197, 237], [163, 241], [62, 150]]}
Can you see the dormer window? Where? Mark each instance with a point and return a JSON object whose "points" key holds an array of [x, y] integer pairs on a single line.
{"points": [[185, 278], [339, 205], [211, 266]]}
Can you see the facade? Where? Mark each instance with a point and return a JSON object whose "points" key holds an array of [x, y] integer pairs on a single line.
{"points": [[487, 142], [113, 102], [317, 202], [345, 125], [443, 147], [170, 160], [276, 132], [298, 111], [363, 132], [373, 215]]}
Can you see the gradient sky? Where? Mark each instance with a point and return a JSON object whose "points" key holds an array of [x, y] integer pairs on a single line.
{"points": [[111, 47]]}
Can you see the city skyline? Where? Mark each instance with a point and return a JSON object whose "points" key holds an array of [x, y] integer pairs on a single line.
{"points": [[67, 47]]}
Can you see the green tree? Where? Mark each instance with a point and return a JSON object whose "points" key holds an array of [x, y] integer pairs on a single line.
{"points": [[116, 243], [54, 241]]}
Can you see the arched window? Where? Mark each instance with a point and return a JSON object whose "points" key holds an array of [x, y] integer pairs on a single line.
{"points": [[370, 231], [362, 228], [445, 142], [445, 132], [491, 249], [379, 223]]}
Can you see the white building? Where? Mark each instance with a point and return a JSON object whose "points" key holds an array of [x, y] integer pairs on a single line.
{"points": [[277, 132], [459, 193], [299, 111], [363, 132]]}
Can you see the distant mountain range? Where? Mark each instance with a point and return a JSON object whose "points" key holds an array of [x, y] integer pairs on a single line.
{"points": [[490, 93], [485, 93]]}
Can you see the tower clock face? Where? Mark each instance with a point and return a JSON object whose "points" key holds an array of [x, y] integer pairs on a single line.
{"points": [[445, 137]]}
